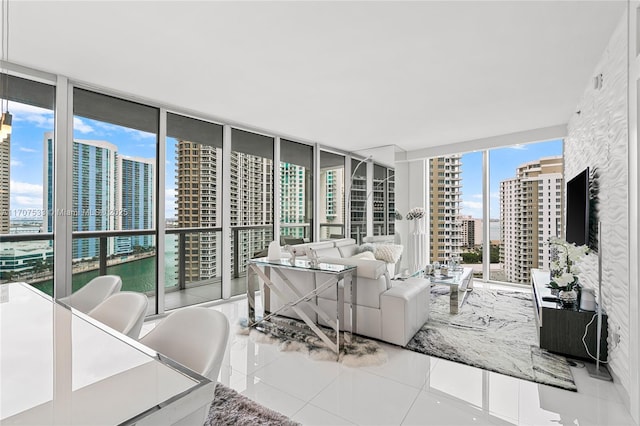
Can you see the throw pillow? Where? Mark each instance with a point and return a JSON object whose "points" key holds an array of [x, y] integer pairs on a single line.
{"points": [[367, 247], [364, 255], [389, 253]]}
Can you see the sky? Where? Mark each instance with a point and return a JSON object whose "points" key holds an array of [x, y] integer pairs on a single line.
{"points": [[27, 152], [30, 124]]}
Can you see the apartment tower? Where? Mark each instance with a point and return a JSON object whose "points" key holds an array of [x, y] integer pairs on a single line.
{"points": [[5, 180], [531, 211], [444, 199], [198, 168]]}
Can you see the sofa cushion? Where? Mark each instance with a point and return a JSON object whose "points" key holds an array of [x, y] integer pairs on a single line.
{"points": [[366, 247], [344, 242], [301, 249], [348, 250], [325, 252], [364, 255], [389, 253]]}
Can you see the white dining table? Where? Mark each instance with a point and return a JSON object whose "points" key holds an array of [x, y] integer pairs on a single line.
{"points": [[60, 367]]}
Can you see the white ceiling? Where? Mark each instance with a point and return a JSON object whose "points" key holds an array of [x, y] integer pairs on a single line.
{"points": [[347, 74]]}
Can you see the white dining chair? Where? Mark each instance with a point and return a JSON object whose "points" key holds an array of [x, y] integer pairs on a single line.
{"points": [[123, 311], [195, 337], [93, 293]]}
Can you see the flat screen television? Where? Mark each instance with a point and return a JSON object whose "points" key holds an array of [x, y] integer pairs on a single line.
{"points": [[578, 209]]}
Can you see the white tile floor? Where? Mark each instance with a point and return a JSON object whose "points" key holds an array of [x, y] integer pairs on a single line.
{"points": [[409, 389]]}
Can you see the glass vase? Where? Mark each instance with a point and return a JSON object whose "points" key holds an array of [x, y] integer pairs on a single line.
{"points": [[568, 298]]}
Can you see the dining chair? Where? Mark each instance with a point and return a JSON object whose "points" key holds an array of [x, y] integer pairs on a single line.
{"points": [[195, 337], [93, 292], [123, 311]]}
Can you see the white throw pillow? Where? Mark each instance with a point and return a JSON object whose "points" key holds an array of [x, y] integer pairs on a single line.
{"points": [[389, 253], [364, 255]]}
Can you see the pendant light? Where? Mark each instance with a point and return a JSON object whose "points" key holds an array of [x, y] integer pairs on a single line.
{"points": [[5, 120]]}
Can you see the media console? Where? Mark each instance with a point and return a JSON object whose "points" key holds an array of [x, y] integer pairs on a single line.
{"points": [[560, 330]]}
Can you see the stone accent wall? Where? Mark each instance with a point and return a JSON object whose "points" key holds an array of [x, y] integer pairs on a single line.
{"points": [[598, 139]]}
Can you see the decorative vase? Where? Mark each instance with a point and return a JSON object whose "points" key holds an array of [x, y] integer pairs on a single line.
{"points": [[417, 246], [568, 298]]}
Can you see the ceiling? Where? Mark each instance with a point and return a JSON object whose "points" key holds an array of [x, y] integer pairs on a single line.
{"points": [[351, 75]]}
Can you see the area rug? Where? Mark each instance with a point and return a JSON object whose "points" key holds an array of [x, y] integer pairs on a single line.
{"points": [[231, 408], [293, 335], [494, 330]]}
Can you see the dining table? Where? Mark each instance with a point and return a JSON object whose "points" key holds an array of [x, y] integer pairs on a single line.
{"points": [[59, 366]]}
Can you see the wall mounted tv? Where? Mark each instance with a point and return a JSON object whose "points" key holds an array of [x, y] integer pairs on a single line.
{"points": [[578, 209]]}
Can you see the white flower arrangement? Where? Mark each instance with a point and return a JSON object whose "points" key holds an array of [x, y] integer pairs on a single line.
{"points": [[415, 213], [564, 266]]}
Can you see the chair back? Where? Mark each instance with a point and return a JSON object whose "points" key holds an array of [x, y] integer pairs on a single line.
{"points": [[123, 311], [93, 293], [196, 337]]}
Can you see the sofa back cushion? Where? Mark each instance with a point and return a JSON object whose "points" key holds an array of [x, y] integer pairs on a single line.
{"points": [[348, 250], [325, 252], [301, 249]]}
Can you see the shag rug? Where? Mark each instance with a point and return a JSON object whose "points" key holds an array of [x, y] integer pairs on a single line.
{"points": [[231, 408], [494, 330], [293, 335]]}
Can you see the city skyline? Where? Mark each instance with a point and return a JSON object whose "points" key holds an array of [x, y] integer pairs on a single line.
{"points": [[508, 159]]}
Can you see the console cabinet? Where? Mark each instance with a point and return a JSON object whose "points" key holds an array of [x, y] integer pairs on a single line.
{"points": [[560, 330]]}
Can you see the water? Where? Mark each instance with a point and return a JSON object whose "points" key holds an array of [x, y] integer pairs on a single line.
{"points": [[138, 275]]}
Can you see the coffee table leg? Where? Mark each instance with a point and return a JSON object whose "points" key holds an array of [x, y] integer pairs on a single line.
{"points": [[453, 299]]}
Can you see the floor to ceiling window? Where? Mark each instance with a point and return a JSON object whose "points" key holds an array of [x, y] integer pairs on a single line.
{"points": [[331, 197], [296, 191], [526, 208], [26, 182], [468, 182], [444, 207], [358, 220], [114, 190], [193, 212], [251, 198]]}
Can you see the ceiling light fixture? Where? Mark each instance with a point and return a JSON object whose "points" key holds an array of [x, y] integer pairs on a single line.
{"points": [[5, 120]]}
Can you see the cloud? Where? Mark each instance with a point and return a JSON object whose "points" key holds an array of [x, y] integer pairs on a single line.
{"points": [[139, 134], [475, 205], [25, 188], [519, 147], [16, 163], [495, 195], [479, 196], [81, 126], [23, 149], [24, 202], [41, 117]]}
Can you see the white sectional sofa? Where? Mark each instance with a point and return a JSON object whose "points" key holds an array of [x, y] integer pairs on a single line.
{"points": [[392, 311]]}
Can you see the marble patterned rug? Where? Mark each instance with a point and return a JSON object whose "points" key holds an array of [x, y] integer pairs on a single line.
{"points": [[494, 330]]}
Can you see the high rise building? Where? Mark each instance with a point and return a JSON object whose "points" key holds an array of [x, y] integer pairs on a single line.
{"points": [[5, 181], [331, 200], [293, 189], [198, 168], [93, 189], [251, 190], [110, 192], [531, 211], [444, 199], [135, 189], [470, 231]]}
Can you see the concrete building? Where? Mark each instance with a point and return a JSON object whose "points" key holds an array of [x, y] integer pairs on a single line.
{"points": [[198, 171], [531, 211], [470, 231], [444, 199], [5, 180]]}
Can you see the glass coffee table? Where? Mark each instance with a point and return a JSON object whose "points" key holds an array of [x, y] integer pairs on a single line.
{"points": [[458, 282]]}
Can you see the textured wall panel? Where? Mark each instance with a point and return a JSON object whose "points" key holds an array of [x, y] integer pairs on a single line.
{"points": [[597, 138]]}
